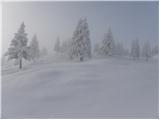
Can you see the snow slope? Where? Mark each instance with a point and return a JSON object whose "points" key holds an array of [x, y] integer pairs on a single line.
{"points": [[107, 88]]}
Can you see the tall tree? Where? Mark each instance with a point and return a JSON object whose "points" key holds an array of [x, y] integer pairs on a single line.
{"points": [[81, 45], [108, 44], [18, 47], [86, 37], [34, 48]]}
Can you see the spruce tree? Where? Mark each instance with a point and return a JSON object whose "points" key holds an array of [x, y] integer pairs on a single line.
{"points": [[18, 47]]}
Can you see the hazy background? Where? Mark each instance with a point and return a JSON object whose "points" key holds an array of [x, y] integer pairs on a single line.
{"points": [[48, 20]]}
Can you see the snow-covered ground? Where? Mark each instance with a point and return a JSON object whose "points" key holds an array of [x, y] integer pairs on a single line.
{"points": [[99, 88]]}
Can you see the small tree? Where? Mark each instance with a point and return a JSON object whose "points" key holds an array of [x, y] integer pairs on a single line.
{"points": [[57, 45], [18, 47], [34, 48], [146, 51], [135, 49], [97, 50]]}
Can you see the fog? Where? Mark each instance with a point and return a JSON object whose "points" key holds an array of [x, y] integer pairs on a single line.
{"points": [[96, 75], [128, 20]]}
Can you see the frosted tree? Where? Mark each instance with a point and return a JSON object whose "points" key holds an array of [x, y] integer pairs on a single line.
{"points": [[146, 51], [81, 45], [18, 47], [34, 48], [108, 44], [97, 50], [135, 49], [57, 45], [86, 37]]}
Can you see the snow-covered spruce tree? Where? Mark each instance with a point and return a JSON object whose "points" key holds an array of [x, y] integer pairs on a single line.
{"points": [[57, 45], [86, 36], [108, 44], [81, 45], [146, 51], [34, 48], [18, 47], [135, 49]]}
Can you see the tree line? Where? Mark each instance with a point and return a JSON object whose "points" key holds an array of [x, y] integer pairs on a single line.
{"points": [[78, 47]]}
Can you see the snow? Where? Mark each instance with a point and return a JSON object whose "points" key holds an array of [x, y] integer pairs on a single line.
{"points": [[99, 88]]}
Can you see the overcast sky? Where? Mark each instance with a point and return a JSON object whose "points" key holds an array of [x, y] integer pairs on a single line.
{"points": [[48, 20]]}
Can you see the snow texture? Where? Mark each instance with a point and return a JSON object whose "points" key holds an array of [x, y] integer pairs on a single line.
{"points": [[99, 88]]}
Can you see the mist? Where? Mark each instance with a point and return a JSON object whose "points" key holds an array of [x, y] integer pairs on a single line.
{"points": [[128, 20], [80, 60]]}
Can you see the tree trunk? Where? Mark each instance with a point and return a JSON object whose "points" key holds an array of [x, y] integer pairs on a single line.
{"points": [[20, 64]]}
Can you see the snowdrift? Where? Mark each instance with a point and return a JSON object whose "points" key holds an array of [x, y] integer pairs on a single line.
{"points": [[108, 88]]}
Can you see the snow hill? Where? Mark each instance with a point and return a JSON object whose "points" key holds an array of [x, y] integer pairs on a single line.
{"points": [[100, 88]]}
